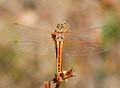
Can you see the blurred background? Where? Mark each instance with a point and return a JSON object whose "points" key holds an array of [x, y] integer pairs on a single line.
{"points": [[20, 70]]}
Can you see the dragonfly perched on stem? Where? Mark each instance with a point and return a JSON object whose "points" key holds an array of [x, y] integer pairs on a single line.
{"points": [[68, 42]]}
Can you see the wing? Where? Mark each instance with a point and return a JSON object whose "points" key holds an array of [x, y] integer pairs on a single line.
{"points": [[34, 47], [84, 48], [89, 34], [36, 41], [86, 42], [25, 32]]}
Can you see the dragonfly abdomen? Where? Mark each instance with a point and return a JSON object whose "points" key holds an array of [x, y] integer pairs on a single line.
{"points": [[59, 58]]}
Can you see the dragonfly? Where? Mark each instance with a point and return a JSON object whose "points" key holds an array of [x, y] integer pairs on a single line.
{"points": [[40, 41]]}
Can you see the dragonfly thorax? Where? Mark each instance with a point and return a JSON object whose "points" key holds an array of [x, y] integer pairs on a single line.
{"points": [[59, 37]]}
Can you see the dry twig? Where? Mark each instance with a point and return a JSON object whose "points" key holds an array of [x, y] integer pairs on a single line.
{"points": [[63, 75], [47, 84]]}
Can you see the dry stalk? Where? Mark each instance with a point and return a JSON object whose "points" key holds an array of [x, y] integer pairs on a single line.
{"points": [[47, 84], [62, 76]]}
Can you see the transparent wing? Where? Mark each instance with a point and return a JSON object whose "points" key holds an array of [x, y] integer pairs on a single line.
{"points": [[88, 35], [84, 48], [38, 41], [42, 33], [34, 47], [24, 32], [86, 42]]}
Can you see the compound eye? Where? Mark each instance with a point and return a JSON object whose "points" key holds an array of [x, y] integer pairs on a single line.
{"points": [[62, 25], [59, 26]]}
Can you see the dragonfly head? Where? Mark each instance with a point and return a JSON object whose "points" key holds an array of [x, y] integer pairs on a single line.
{"points": [[60, 28]]}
